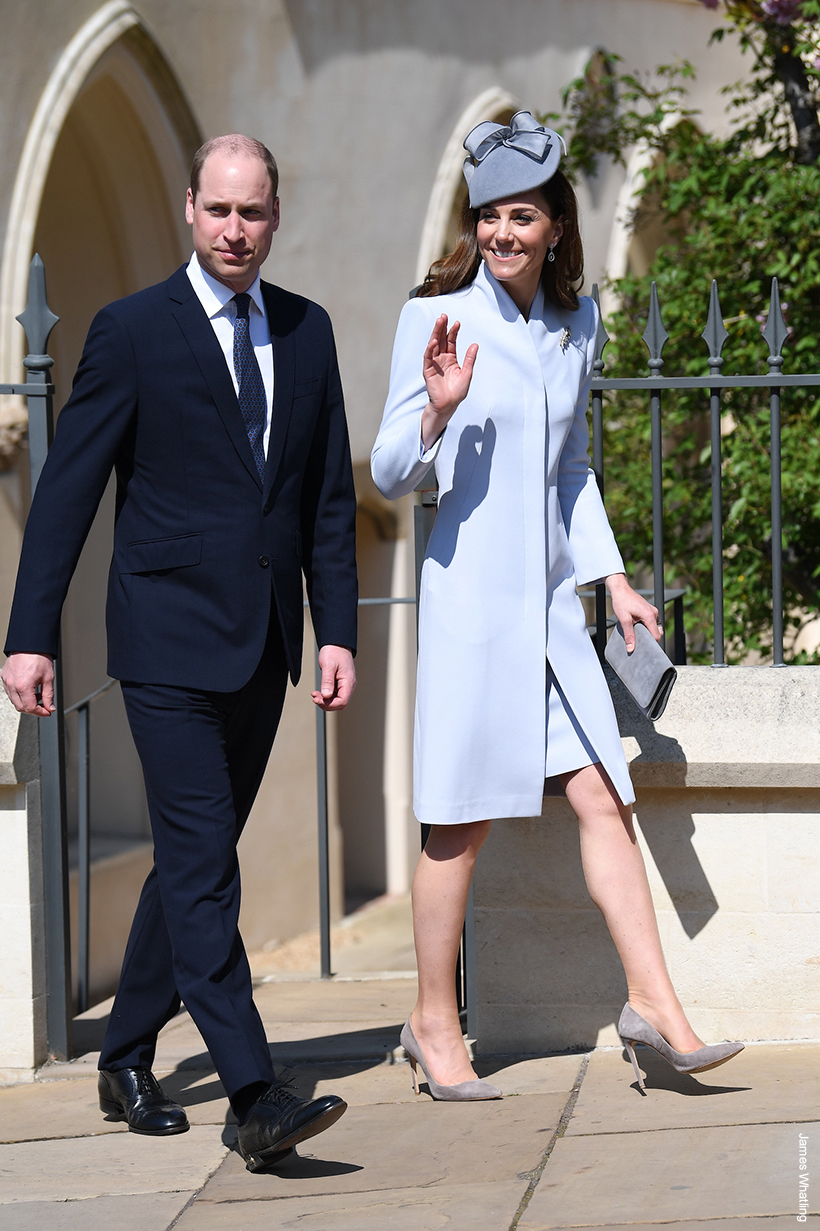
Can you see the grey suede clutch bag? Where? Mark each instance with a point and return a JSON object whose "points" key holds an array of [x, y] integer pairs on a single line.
{"points": [[647, 674]]}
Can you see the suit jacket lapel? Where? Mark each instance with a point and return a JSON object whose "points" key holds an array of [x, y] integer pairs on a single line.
{"points": [[281, 332], [199, 334]]}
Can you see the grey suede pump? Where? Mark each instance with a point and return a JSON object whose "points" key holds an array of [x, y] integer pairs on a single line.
{"points": [[635, 1029], [465, 1091]]}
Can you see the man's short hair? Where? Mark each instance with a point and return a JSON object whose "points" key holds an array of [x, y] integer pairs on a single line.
{"points": [[234, 143]]}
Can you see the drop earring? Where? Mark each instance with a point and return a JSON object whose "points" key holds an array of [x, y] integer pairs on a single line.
{"points": [[551, 254]]}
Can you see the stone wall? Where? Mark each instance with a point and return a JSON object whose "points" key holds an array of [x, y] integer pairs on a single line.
{"points": [[728, 809], [22, 970]]}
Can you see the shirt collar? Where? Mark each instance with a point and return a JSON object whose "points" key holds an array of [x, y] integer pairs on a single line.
{"points": [[214, 295]]}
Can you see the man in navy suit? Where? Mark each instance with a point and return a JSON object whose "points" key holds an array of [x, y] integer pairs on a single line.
{"points": [[216, 399]]}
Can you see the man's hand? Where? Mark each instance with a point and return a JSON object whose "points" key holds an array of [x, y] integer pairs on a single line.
{"points": [[338, 678], [29, 683], [631, 608]]}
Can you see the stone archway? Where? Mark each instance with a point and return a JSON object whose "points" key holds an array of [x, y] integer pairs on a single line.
{"points": [[100, 194], [448, 187], [156, 97], [110, 222], [111, 216]]}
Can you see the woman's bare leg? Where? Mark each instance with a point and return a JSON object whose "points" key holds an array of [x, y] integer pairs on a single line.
{"points": [[440, 889], [617, 883]]}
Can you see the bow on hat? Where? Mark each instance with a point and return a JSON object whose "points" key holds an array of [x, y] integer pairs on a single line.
{"points": [[495, 168], [522, 134]]}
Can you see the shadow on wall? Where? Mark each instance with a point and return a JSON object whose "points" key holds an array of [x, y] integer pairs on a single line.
{"points": [[670, 840], [443, 32], [543, 947]]}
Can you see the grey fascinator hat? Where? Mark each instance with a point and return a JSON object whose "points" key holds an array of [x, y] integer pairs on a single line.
{"points": [[504, 160]]}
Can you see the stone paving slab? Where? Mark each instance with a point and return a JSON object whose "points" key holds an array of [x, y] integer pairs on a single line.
{"points": [[456, 1207], [377, 937], [358, 1086], [615, 1180], [765, 1083], [397, 1146], [40, 1111], [44, 1110], [392, 1083], [47, 1110], [181, 1046], [291, 1041], [108, 1165], [333, 1000], [707, 1153], [538, 1075], [151, 1212], [294, 1042], [779, 1223]]}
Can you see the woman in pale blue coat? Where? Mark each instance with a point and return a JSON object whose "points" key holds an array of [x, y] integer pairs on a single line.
{"points": [[510, 692]]}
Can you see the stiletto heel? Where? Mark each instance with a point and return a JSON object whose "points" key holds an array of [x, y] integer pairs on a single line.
{"points": [[465, 1091], [631, 1049], [634, 1029]]}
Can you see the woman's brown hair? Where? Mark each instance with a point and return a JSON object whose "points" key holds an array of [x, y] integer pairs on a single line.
{"points": [[561, 278]]}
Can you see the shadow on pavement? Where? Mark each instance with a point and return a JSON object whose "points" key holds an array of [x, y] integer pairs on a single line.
{"points": [[661, 1076]]}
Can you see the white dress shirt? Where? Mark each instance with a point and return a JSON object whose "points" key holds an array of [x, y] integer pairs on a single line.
{"points": [[217, 300]]}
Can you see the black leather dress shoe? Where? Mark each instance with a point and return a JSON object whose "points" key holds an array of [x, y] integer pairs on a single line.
{"points": [[280, 1119], [135, 1095]]}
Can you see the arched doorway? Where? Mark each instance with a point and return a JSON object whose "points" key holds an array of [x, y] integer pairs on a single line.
{"points": [[111, 222], [100, 195], [638, 228], [449, 188]]}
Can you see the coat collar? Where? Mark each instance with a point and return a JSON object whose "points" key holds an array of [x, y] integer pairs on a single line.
{"points": [[499, 297]]}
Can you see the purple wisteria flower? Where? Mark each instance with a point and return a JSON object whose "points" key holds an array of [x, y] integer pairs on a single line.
{"points": [[784, 12]]}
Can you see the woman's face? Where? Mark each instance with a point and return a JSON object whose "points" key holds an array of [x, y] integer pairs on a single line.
{"points": [[514, 236]]}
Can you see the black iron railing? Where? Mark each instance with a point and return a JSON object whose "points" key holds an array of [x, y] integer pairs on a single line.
{"points": [[83, 711], [38, 321], [655, 385]]}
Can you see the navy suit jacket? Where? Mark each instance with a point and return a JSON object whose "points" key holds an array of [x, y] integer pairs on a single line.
{"points": [[201, 546]]}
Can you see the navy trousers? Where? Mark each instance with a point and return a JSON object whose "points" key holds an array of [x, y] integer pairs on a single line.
{"points": [[203, 756]]}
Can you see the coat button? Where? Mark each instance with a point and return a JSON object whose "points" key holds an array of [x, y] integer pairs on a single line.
{"points": [[263, 561]]}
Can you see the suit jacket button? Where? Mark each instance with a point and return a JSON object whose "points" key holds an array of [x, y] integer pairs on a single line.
{"points": [[264, 561]]}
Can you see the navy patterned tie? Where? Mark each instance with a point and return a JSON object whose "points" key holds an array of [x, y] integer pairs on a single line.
{"points": [[252, 400]]}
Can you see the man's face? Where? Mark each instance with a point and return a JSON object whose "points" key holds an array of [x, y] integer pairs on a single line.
{"points": [[234, 217]]}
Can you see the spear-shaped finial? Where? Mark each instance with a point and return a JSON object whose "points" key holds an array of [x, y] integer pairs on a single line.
{"points": [[776, 330], [655, 336], [715, 333], [37, 319], [601, 336]]}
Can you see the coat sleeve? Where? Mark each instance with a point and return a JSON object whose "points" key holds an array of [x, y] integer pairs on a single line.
{"points": [[398, 462], [328, 518], [591, 542], [92, 428]]}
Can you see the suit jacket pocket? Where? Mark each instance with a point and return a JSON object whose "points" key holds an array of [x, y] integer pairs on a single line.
{"points": [[154, 555], [303, 388]]}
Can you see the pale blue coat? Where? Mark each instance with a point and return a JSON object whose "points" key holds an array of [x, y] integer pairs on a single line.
{"points": [[520, 522]]}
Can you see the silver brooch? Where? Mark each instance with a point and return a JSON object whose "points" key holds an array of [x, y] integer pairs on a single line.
{"points": [[563, 342]]}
